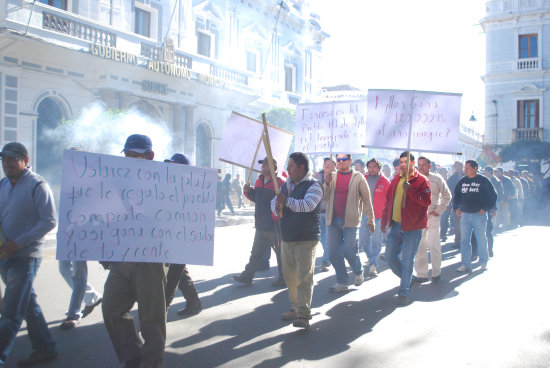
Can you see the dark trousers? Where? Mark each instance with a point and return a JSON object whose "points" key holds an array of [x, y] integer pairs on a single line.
{"points": [[456, 224], [263, 240], [178, 277], [145, 283]]}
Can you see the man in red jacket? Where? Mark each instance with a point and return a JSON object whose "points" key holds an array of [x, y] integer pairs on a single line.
{"points": [[371, 243], [406, 213]]}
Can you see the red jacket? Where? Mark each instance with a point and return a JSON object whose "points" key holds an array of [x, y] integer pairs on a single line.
{"points": [[415, 214], [380, 192]]}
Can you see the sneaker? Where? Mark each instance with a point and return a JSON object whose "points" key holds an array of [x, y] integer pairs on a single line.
{"points": [[359, 279], [372, 270], [474, 258], [403, 300], [90, 308], [338, 288], [69, 323], [242, 280], [289, 316], [190, 309], [419, 280], [279, 283], [325, 267], [463, 268], [483, 267], [301, 323], [37, 356], [436, 279]]}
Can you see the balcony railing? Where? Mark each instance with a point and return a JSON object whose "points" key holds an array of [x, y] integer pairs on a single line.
{"points": [[528, 64], [528, 134], [228, 74], [80, 30]]}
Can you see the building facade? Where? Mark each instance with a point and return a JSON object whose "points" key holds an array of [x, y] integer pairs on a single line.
{"points": [[184, 63], [517, 78]]}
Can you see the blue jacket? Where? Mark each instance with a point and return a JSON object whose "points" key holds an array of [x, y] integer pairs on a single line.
{"points": [[27, 212]]}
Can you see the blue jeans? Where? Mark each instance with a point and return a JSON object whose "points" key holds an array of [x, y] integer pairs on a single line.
{"points": [[405, 242], [20, 303], [342, 244], [371, 243], [478, 224], [75, 274], [324, 243]]}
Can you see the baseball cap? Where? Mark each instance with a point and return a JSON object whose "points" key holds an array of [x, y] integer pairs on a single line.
{"points": [[178, 158], [266, 161], [15, 150], [138, 143]]}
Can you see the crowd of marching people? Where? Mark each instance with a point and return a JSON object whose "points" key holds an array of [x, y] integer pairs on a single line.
{"points": [[348, 206]]}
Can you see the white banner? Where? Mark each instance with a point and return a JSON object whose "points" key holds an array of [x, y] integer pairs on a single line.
{"points": [[331, 127], [123, 209], [241, 137], [435, 119]]}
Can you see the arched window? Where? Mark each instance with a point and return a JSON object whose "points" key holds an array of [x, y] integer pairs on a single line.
{"points": [[203, 146]]}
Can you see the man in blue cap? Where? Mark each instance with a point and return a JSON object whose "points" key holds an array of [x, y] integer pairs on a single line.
{"points": [[178, 275], [143, 282], [27, 214]]}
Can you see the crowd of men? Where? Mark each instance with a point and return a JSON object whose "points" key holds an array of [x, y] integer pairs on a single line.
{"points": [[342, 206]]}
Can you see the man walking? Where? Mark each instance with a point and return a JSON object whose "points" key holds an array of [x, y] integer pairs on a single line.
{"points": [[328, 166], [406, 213], [371, 243], [441, 196], [178, 274], [266, 234], [143, 282], [27, 214], [348, 196], [474, 196], [451, 183], [299, 202]]}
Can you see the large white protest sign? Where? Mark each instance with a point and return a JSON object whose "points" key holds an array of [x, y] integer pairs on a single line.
{"points": [[435, 119], [241, 138], [331, 127], [123, 209]]}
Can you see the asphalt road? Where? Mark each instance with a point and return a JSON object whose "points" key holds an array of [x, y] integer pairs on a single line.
{"points": [[498, 318]]}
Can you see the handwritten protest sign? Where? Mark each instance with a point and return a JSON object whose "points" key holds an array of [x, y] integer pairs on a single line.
{"points": [[435, 119], [241, 138], [123, 209], [331, 127]]}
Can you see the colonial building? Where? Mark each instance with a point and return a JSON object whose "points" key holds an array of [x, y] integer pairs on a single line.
{"points": [[185, 63], [517, 83]]}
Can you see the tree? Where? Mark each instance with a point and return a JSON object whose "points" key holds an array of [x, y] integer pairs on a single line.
{"points": [[533, 153], [283, 118]]}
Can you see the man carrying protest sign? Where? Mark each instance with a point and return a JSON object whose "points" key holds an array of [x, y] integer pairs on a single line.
{"points": [[441, 196], [266, 235], [27, 214], [348, 196], [178, 275], [299, 201], [406, 213], [143, 282]]}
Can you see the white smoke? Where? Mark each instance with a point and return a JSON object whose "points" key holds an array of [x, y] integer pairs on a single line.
{"points": [[100, 131]]}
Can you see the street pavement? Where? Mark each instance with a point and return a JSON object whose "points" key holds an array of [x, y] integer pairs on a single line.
{"points": [[497, 318]]}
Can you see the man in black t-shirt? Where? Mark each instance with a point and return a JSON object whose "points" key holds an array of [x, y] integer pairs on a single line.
{"points": [[474, 196]]}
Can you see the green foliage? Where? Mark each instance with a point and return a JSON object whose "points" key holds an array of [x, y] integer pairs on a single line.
{"points": [[283, 118], [525, 150]]}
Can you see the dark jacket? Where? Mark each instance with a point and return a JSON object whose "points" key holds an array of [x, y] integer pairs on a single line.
{"points": [[261, 195], [300, 226], [419, 197]]}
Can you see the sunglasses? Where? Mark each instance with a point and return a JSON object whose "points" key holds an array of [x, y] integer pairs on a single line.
{"points": [[342, 159]]}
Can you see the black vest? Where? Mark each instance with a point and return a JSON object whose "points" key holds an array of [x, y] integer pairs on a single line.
{"points": [[300, 226]]}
